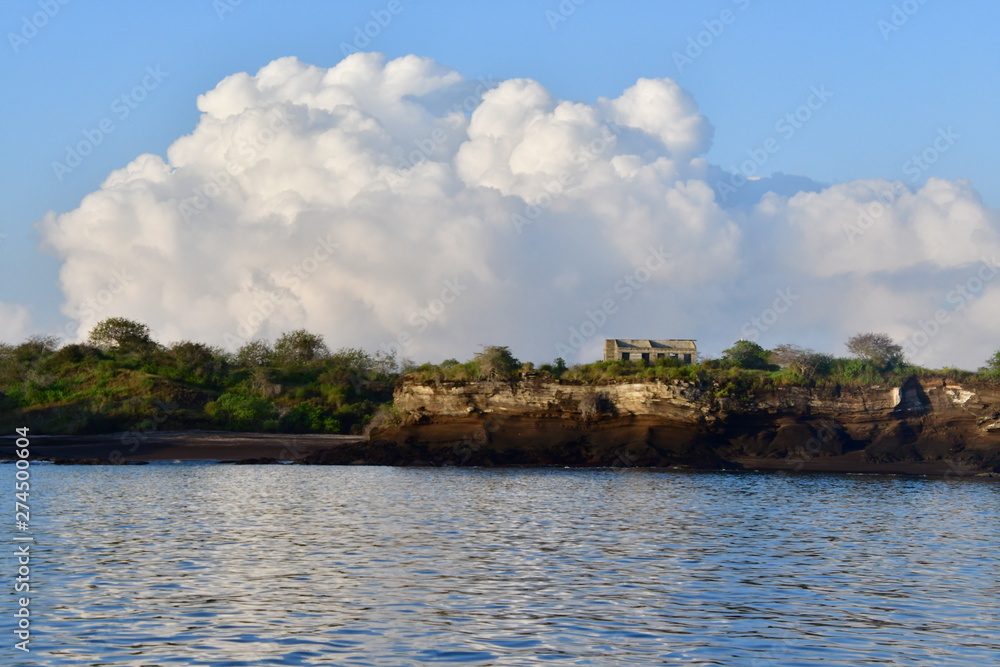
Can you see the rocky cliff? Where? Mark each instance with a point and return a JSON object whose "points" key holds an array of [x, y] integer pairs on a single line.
{"points": [[933, 427]]}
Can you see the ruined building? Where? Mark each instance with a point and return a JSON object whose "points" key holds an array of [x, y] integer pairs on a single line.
{"points": [[635, 349]]}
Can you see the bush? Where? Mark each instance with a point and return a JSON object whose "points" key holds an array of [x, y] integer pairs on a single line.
{"points": [[749, 355], [255, 353], [299, 347], [240, 411], [386, 416], [803, 361], [71, 356], [497, 363], [35, 348], [195, 363], [308, 418], [860, 371]]}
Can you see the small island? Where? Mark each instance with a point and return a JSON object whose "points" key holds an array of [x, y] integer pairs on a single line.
{"points": [[121, 397]]}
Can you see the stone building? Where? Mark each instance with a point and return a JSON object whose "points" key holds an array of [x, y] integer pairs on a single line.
{"points": [[644, 349]]}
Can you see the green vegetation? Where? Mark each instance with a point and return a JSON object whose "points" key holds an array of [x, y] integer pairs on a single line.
{"points": [[749, 355], [877, 349], [743, 368], [122, 380]]}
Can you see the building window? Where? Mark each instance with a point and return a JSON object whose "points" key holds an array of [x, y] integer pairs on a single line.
{"points": [[687, 358], [645, 356], [624, 356], [660, 355]]}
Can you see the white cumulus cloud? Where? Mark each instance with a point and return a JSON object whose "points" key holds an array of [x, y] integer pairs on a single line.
{"points": [[398, 205], [15, 321]]}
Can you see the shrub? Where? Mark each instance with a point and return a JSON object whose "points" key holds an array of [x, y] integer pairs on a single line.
{"points": [[803, 361], [497, 363], [255, 353], [240, 411], [196, 363], [71, 355], [747, 354], [299, 347], [309, 418]]}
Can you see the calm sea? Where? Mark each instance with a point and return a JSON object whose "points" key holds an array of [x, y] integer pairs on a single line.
{"points": [[203, 564]]}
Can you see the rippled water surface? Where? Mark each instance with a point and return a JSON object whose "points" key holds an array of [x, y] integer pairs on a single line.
{"points": [[201, 564]]}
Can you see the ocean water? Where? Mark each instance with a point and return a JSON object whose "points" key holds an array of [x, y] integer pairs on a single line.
{"points": [[203, 564]]}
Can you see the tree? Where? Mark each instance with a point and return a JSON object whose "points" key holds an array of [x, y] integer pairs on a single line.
{"points": [[877, 348], [747, 354], [300, 347], [496, 362], [35, 348], [993, 363], [254, 353], [119, 333], [197, 362], [807, 363]]}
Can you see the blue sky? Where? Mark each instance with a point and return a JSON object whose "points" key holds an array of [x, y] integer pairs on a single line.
{"points": [[899, 73]]}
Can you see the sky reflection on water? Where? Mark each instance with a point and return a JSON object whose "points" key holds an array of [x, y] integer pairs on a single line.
{"points": [[241, 565]]}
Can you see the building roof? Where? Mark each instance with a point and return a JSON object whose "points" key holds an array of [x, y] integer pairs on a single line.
{"points": [[672, 344]]}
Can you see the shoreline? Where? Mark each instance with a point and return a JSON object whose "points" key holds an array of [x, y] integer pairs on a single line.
{"points": [[184, 445], [264, 448]]}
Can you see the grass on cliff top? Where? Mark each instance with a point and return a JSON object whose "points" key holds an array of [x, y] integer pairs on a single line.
{"points": [[710, 372]]}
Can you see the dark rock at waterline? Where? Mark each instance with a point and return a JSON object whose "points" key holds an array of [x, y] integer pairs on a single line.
{"points": [[95, 462], [922, 427]]}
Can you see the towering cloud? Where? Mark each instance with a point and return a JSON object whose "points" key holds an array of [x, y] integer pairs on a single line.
{"points": [[399, 205], [14, 321]]}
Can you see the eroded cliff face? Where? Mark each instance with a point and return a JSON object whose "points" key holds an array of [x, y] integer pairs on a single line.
{"points": [[935, 427]]}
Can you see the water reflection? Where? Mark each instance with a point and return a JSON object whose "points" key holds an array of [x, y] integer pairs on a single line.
{"points": [[224, 565]]}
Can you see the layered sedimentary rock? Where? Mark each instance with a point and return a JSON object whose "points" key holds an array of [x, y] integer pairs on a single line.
{"points": [[935, 427]]}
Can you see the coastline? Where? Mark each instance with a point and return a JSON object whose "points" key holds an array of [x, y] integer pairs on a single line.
{"points": [[216, 446], [190, 445]]}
